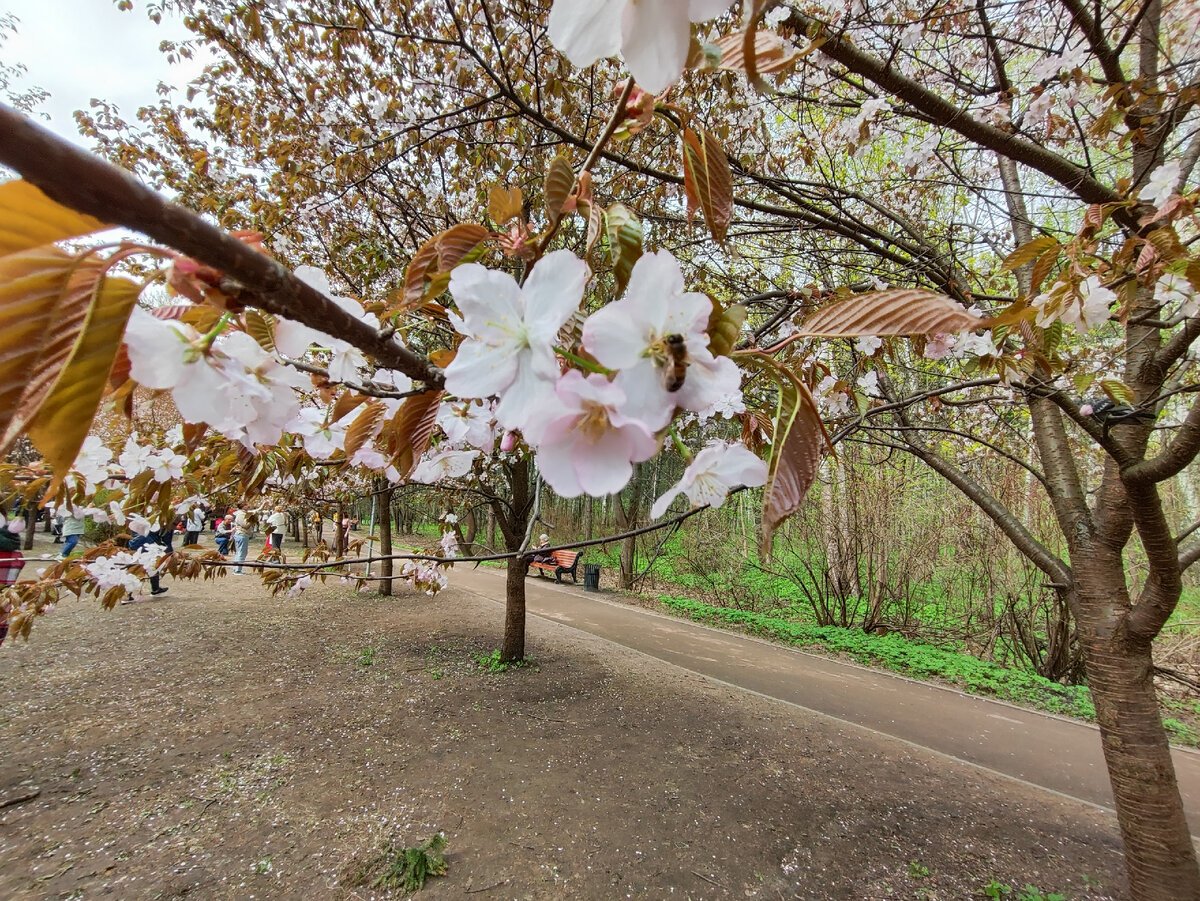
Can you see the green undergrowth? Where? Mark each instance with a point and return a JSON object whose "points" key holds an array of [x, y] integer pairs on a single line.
{"points": [[899, 655]]}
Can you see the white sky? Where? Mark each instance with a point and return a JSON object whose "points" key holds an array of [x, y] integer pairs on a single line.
{"points": [[80, 49]]}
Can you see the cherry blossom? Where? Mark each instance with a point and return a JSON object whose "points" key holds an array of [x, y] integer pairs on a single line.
{"points": [[868, 344], [631, 335], [939, 346], [235, 386], [468, 424], [1161, 184], [652, 36], [719, 467], [1093, 309], [511, 332], [441, 465], [589, 444], [1174, 288]]}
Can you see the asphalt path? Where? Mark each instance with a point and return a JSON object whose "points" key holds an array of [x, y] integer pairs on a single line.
{"points": [[1052, 752]]}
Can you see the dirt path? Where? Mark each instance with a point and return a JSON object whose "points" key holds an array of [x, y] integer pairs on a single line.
{"points": [[1053, 752], [224, 744]]}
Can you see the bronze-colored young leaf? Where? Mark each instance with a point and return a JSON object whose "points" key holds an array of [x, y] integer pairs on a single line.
{"points": [[560, 180], [438, 255], [899, 311], [1028, 252], [411, 428], [363, 428], [799, 438], [346, 402], [771, 52], [45, 295], [28, 218], [624, 232], [60, 426], [504, 204], [707, 181]]}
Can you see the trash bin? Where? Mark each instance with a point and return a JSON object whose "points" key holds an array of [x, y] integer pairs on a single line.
{"points": [[591, 577]]}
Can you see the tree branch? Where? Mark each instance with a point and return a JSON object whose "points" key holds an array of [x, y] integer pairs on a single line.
{"points": [[90, 185]]}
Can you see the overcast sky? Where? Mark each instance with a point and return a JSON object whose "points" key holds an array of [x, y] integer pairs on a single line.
{"points": [[80, 49]]}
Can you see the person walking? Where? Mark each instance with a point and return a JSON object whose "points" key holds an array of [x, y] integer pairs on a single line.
{"points": [[316, 525], [195, 525], [164, 538], [72, 529], [241, 538], [277, 522]]}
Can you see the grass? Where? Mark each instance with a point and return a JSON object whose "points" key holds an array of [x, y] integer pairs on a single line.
{"points": [[897, 654]]}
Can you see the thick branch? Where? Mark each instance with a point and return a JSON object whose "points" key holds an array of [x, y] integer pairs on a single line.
{"points": [[944, 113], [90, 185], [1181, 451]]}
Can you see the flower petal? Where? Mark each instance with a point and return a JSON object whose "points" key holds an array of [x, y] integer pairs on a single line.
{"points": [[553, 292], [586, 30], [490, 301], [654, 42], [481, 370]]}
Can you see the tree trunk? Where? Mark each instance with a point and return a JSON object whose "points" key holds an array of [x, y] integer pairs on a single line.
{"points": [[513, 520], [514, 612], [1159, 854], [385, 541]]}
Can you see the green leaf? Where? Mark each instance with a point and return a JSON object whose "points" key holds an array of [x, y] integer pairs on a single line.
{"points": [[65, 417], [1118, 391], [28, 218], [624, 231]]}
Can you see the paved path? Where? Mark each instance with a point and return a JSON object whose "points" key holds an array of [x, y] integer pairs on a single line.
{"points": [[1049, 751]]}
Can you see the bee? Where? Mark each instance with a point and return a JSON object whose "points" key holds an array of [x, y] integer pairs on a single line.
{"points": [[675, 362]]}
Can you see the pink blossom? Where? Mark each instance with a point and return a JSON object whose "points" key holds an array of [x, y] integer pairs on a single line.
{"points": [[589, 445]]}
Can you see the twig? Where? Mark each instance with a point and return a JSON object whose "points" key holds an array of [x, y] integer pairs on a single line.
{"points": [[707, 879], [12, 802], [486, 888]]}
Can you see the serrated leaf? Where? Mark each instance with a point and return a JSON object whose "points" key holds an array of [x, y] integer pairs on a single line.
{"points": [[1166, 242], [798, 442], [1118, 391], [346, 402], [1028, 252], [64, 418], [771, 52], [363, 428], [45, 295], [411, 428], [1083, 381], [708, 182], [504, 204], [437, 256], [260, 327], [28, 219], [900, 311], [1043, 266], [560, 180], [624, 232]]}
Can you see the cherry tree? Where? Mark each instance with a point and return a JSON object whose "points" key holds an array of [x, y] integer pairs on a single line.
{"points": [[989, 205]]}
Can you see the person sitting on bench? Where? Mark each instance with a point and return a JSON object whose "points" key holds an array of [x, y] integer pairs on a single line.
{"points": [[539, 555]]}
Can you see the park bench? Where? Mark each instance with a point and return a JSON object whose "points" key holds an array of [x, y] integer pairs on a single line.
{"points": [[564, 562]]}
